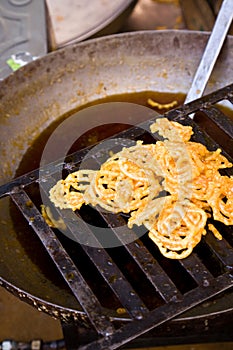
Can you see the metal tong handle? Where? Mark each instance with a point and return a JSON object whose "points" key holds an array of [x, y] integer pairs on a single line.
{"points": [[212, 51]]}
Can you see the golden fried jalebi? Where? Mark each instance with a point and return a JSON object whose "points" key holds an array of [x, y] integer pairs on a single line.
{"points": [[178, 228], [68, 193], [172, 131], [221, 199], [171, 187]]}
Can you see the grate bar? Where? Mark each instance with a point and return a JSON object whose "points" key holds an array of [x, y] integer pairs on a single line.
{"points": [[196, 269], [112, 275], [222, 249], [220, 119], [212, 98], [68, 270], [81, 232], [116, 280], [154, 272], [19, 182], [162, 314], [145, 261]]}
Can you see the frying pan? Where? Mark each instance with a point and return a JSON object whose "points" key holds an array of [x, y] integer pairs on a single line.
{"points": [[38, 94]]}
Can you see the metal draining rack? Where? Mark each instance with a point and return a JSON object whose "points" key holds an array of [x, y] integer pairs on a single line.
{"points": [[205, 282]]}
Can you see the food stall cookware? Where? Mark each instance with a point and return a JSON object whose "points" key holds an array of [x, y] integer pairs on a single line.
{"points": [[47, 271]]}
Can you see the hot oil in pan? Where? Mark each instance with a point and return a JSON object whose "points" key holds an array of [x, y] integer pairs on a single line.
{"points": [[31, 159]]}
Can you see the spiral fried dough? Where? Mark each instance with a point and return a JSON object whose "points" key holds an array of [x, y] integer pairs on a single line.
{"points": [[171, 187]]}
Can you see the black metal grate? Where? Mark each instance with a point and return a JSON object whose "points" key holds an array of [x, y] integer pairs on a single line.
{"points": [[176, 286]]}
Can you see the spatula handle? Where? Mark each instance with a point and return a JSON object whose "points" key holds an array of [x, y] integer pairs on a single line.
{"points": [[212, 51]]}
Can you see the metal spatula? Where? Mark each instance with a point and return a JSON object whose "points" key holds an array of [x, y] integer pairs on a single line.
{"points": [[212, 51]]}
